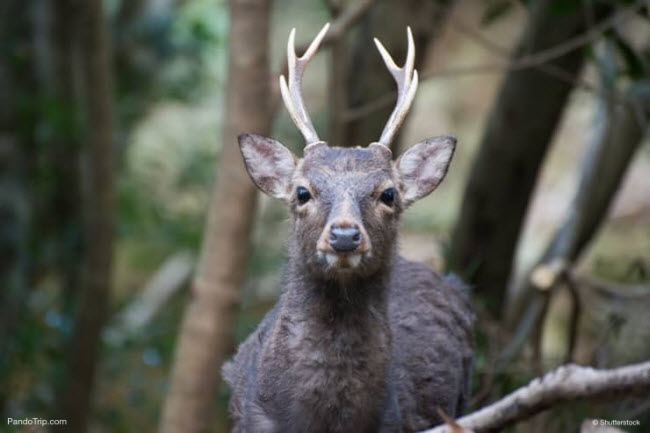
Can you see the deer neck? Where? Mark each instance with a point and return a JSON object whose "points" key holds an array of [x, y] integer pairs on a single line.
{"points": [[337, 340], [329, 300]]}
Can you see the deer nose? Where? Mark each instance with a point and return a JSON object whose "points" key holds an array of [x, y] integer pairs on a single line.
{"points": [[344, 239]]}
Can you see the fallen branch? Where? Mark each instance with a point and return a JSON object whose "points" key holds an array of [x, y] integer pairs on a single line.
{"points": [[565, 384], [172, 275]]}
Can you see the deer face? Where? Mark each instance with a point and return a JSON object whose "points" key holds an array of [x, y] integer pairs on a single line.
{"points": [[346, 202]]}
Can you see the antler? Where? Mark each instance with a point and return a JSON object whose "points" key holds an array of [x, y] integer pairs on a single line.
{"points": [[292, 93], [407, 83]]}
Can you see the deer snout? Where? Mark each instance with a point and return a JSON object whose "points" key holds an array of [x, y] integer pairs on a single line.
{"points": [[344, 239]]}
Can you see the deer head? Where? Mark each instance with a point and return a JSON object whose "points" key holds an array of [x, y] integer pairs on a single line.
{"points": [[346, 202]]}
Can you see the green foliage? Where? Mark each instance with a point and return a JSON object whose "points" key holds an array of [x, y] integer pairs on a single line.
{"points": [[169, 54], [159, 55], [200, 35], [35, 356], [164, 188], [202, 22]]}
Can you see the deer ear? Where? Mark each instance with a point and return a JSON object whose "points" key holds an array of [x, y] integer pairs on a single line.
{"points": [[422, 167], [268, 162]]}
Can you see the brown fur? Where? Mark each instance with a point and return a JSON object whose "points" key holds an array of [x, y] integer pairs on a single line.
{"points": [[375, 347]]}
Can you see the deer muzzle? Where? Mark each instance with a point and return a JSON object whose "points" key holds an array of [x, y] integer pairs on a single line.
{"points": [[343, 244]]}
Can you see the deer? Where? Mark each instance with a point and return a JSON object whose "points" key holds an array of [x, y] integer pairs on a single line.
{"points": [[360, 339]]}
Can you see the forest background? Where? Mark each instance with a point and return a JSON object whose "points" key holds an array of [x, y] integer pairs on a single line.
{"points": [[136, 253]]}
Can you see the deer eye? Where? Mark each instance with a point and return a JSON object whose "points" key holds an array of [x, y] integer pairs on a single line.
{"points": [[303, 195], [388, 196]]}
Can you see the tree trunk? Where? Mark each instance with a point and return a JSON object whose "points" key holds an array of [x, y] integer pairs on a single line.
{"points": [[518, 133], [206, 331], [98, 207], [338, 79], [367, 77], [64, 150]]}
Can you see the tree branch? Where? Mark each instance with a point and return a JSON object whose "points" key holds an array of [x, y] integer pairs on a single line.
{"points": [[174, 274], [347, 19], [544, 56], [607, 160], [614, 290], [576, 312], [539, 60], [565, 384]]}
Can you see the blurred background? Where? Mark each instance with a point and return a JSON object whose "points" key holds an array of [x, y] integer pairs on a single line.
{"points": [[136, 253]]}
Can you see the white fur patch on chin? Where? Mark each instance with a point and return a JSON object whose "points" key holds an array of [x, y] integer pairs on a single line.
{"points": [[332, 259], [354, 260], [347, 261]]}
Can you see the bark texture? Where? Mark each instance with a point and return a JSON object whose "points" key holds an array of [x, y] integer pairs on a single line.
{"points": [[99, 209], [526, 113], [567, 383], [206, 331]]}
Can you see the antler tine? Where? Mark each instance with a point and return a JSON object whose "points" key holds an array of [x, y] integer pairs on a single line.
{"points": [[291, 92], [406, 78]]}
